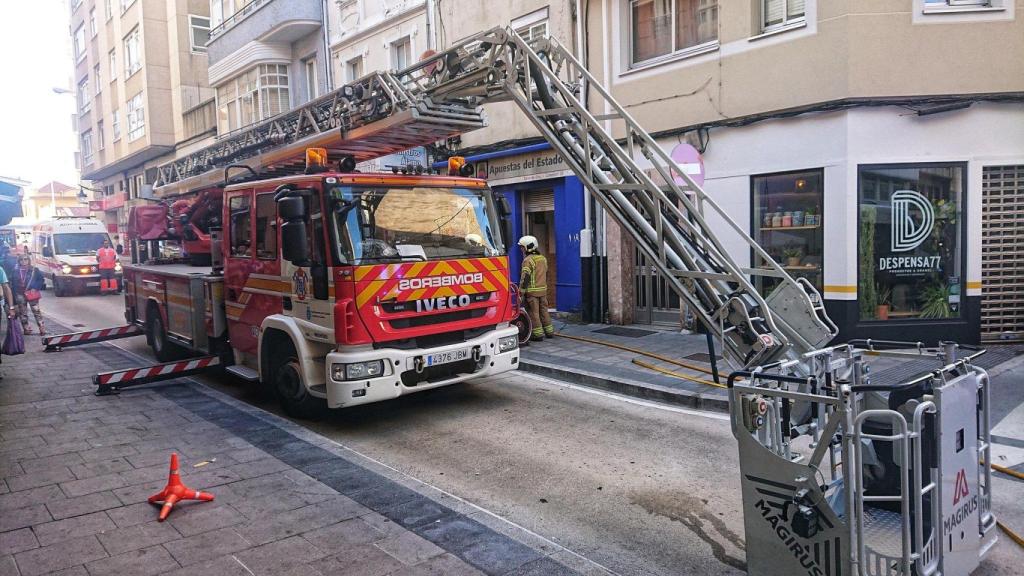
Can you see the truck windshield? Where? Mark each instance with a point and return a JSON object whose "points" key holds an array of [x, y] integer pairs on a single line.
{"points": [[78, 242], [409, 224]]}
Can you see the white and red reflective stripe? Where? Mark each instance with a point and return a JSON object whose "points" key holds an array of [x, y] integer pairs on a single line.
{"points": [[122, 376], [89, 335]]}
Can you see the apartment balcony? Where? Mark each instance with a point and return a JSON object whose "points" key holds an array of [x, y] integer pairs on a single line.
{"points": [[272, 24]]}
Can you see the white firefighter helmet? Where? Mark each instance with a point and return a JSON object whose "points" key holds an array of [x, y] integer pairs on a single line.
{"points": [[474, 240], [528, 242]]}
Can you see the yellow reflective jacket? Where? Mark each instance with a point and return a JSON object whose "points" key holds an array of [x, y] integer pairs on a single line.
{"points": [[534, 278]]}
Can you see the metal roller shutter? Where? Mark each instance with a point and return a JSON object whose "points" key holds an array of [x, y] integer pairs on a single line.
{"points": [[1002, 252], [539, 201]]}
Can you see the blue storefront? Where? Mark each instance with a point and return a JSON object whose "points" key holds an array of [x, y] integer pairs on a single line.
{"points": [[547, 202]]}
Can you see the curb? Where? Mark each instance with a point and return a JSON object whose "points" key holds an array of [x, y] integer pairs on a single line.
{"points": [[626, 386]]}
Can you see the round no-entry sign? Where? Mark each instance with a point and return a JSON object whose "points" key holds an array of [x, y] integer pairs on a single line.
{"points": [[690, 160]]}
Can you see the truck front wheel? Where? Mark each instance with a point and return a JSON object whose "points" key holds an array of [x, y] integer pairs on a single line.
{"points": [[291, 391], [60, 288], [163, 349]]}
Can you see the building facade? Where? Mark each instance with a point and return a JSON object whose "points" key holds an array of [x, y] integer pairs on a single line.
{"points": [[547, 200], [265, 57], [874, 148], [143, 96]]}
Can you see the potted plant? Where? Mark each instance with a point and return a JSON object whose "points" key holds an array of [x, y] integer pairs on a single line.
{"points": [[883, 306], [935, 301], [792, 254]]}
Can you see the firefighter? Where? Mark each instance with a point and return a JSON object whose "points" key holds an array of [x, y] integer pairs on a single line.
{"points": [[107, 259], [533, 284]]}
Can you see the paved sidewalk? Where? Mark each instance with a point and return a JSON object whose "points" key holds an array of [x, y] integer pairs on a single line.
{"points": [[613, 370], [76, 470]]}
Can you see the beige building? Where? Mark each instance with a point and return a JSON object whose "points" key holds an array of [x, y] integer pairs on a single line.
{"points": [[875, 148], [143, 95], [51, 200]]}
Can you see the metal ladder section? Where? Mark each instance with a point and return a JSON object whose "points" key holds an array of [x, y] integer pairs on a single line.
{"points": [[678, 226], [369, 118]]}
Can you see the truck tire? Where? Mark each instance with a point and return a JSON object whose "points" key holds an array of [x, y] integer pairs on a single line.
{"points": [[156, 334], [60, 289], [287, 384]]}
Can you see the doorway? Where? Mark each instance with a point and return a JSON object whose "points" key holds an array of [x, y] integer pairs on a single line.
{"points": [[539, 221]]}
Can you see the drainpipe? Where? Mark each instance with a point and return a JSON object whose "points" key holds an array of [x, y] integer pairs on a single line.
{"points": [[328, 68], [431, 44], [591, 278]]}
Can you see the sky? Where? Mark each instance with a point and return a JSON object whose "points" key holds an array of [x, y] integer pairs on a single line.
{"points": [[38, 141]]}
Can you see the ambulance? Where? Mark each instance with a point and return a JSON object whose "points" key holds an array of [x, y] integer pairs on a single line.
{"points": [[64, 251]]}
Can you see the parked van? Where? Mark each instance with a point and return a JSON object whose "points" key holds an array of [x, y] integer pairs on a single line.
{"points": [[64, 251]]}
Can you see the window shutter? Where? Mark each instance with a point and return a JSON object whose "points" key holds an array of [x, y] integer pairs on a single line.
{"points": [[1002, 252], [795, 9], [539, 201], [773, 11]]}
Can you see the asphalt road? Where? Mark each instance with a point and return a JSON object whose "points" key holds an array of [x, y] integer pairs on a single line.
{"points": [[635, 487]]}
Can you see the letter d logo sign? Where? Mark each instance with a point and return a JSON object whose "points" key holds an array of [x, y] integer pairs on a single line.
{"points": [[908, 233]]}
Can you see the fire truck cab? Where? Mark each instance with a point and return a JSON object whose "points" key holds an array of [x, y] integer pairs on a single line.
{"points": [[345, 287]]}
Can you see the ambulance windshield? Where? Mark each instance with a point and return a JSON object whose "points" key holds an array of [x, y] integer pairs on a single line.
{"points": [[414, 224], [78, 243]]}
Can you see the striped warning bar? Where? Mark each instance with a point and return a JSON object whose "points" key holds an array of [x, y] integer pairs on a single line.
{"points": [[109, 382], [59, 341]]}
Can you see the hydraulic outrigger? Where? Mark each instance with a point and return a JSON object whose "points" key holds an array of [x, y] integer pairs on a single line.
{"points": [[905, 488]]}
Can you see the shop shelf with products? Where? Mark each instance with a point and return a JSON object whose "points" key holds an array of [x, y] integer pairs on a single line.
{"points": [[787, 222]]}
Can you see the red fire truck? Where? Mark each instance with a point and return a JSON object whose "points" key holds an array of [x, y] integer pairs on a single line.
{"points": [[339, 287]]}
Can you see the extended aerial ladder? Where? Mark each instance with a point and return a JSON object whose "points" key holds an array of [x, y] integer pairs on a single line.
{"points": [[842, 472]]}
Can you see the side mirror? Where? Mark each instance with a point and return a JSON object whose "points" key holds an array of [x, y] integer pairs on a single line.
{"points": [[291, 208], [294, 243], [47, 252], [504, 208], [505, 218], [119, 249]]}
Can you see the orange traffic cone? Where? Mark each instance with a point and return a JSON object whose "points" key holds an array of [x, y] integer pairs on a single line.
{"points": [[176, 491]]}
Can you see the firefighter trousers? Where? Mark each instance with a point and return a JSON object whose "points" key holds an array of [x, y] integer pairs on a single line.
{"points": [[537, 308]]}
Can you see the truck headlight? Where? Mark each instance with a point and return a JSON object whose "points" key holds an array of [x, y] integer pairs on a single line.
{"points": [[65, 269], [506, 343], [357, 370]]}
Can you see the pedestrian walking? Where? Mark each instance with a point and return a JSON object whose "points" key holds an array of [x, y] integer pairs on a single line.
{"points": [[533, 284], [107, 258], [26, 285]]}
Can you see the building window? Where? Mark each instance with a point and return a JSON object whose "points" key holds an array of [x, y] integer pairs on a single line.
{"points": [[107, 10], [910, 241], [75, 4], [136, 115], [354, 69], [113, 64], [401, 53], [87, 153], [309, 65], [533, 25], [662, 27], [84, 98], [126, 4], [266, 227], [241, 226], [92, 22], [199, 32], [115, 125], [100, 140], [940, 4], [253, 96], [96, 79], [788, 224], [131, 53], [777, 14], [79, 43]]}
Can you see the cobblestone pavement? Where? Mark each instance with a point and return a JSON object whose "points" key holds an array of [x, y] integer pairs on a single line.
{"points": [[76, 470]]}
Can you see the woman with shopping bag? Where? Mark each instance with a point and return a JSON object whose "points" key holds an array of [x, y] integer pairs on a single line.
{"points": [[27, 286]]}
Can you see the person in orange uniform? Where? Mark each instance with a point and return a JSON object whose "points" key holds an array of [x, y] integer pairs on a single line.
{"points": [[107, 258]]}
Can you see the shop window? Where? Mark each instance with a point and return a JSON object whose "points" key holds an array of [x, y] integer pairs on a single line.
{"points": [[266, 227], [910, 241], [241, 227], [788, 224]]}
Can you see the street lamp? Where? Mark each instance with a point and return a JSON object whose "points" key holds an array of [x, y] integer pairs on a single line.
{"points": [[59, 90]]}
